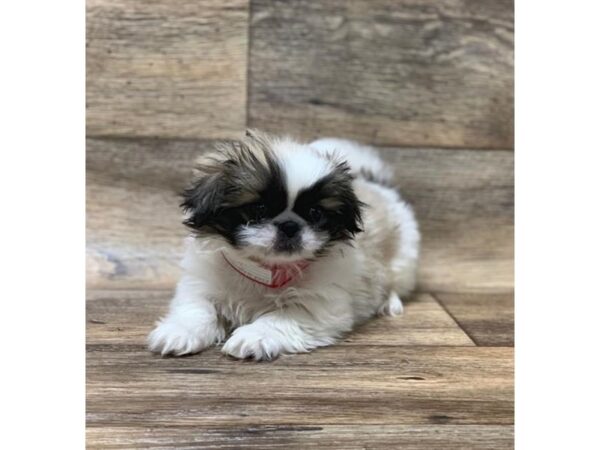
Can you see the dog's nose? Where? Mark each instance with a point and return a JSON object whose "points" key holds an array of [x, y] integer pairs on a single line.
{"points": [[289, 228]]}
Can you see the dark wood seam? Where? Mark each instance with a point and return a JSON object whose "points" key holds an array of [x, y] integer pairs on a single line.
{"points": [[455, 319]]}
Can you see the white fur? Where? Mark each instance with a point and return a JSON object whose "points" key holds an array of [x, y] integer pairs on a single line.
{"points": [[360, 157], [261, 241], [392, 307], [337, 291], [302, 165]]}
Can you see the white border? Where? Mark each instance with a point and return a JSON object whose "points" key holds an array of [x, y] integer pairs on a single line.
{"points": [[42, 233], [42, 167], [558, 225]]}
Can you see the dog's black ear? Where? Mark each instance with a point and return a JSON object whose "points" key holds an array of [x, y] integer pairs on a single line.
{"points": [[338, 187], [203, 200]]}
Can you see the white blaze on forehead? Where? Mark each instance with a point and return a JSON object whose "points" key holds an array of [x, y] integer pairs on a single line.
{"points": [[302, 165]]}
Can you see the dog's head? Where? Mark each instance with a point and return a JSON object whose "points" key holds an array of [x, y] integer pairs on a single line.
{"points": [[273, 198]]}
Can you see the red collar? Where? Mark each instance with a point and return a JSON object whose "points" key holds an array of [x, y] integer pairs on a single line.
{"points": [[272, 276]]}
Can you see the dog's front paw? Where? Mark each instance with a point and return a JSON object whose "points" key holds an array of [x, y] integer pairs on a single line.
{"points": [[392, 307], [254, 341], [172, 337]]}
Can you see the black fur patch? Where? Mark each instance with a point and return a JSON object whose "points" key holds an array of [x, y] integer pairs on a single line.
{"points": [[334, 196], [236, 187], [213, 200]]}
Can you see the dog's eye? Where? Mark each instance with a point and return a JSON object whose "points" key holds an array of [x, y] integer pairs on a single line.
{"points": [[315, 214], [258, 210]]}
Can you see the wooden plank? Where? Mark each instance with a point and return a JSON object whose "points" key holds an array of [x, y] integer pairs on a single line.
{"points": [[126, 317], [134, 232], [462, 198], [464, 201], [488, 319], [388, 72], [166, 68], [359, 437], [133, 236], [339, 385]]}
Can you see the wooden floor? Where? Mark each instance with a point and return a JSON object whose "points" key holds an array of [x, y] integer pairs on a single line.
{"points": [[440, 376], [429, 82]]}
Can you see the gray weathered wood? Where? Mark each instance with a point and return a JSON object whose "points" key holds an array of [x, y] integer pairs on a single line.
{"points": [[399, 73], [166, 68], [487, 318], [464, 201], [127, 386], [347, 437], [134, 232], [462, 198], [372, 390]]}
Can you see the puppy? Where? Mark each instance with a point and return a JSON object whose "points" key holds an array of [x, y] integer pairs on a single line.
{"points": [[293, 245]]}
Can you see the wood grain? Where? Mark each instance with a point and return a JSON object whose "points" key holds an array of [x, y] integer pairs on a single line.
{"points": [[134, 232], [374, 390], [488, 319], [165, 68], [464, 201], [126, 317], [353, 437], [462, 198], [339, 385], [396, 73]]}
